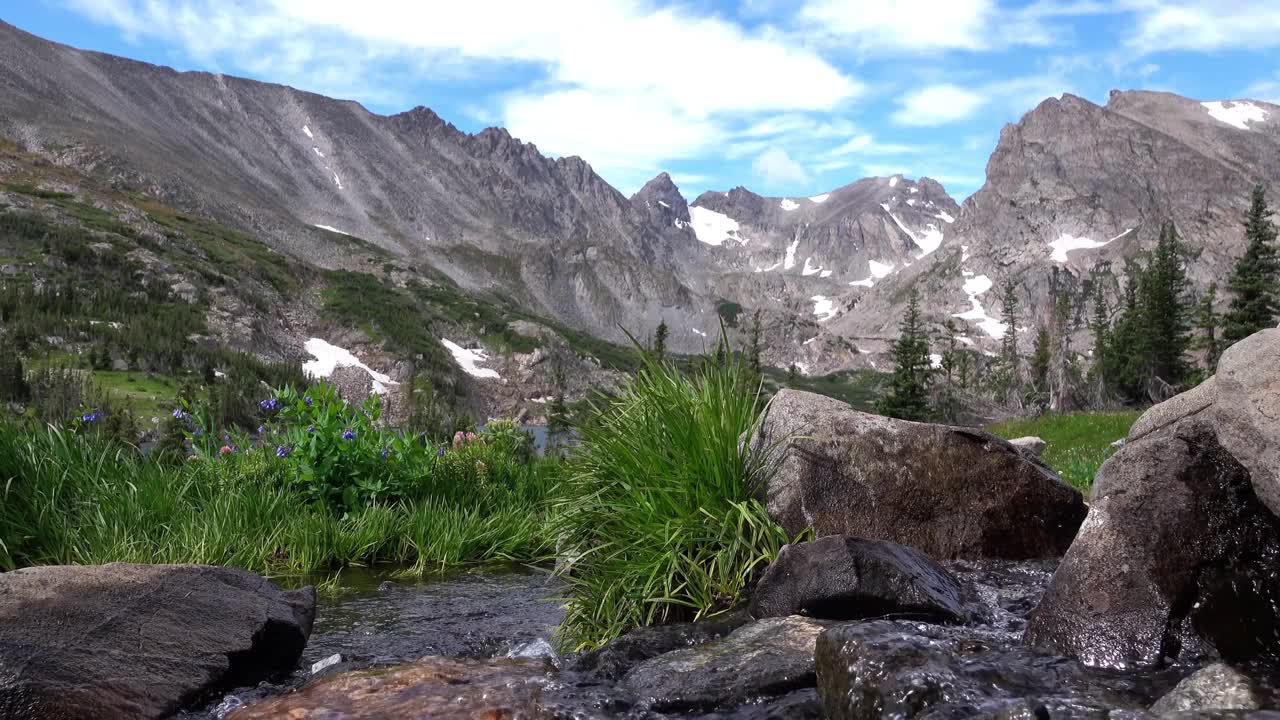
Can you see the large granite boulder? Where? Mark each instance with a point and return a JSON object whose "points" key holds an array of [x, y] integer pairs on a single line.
{"points": [[1247, 410], [769, 657], [848, 578], [1176, 558], [950, 492], [1215, 687], [140, 641]]}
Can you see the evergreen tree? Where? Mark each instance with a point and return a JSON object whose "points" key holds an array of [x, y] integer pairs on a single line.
{"points": [[558, 425], [1007, 378], [1062, 371], [1207, 324], [1165, 333], [660, 342], [948, 405], [908, 397], [1255, 281], [1040, 362]]}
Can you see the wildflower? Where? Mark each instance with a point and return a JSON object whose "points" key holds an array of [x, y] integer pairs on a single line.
{"points": [[178, 414], [226, 438], [225, 450], [307, 400], [270, 405], [198, 432], [262, 429], [440, 453], [282, 452], [348, 434], [311, 429], [92, 417], [385, 453]]}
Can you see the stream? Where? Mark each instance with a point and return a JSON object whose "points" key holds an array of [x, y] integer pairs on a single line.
{"points": [[376, 620]]}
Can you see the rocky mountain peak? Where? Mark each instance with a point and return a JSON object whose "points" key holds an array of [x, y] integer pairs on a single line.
{"points": [[661, 200]]}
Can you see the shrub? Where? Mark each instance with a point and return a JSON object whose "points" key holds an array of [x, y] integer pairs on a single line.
{"points": [[657, 511]]}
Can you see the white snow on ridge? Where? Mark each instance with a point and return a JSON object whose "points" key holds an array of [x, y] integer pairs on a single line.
{"points": [[913, 190], [696, 330], [935, 361], [329, 357], [663, 204], [337, 181], [790, 260], [469, 360], [823, 307], [771, 268], [928, 241], [1237, 114], [307, 130], [332, 229], [810, 268], [945, 217], [867, 282], [711, 227], [893, 181], [825, 274], [820, 198], [879, 270], [1066, 243], [317, 151], [978, 314], [977, 285], [788, 204], [964, 253]]}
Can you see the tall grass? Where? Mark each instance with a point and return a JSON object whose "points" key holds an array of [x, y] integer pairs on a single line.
{"points": [[1078, 443], [657, 514], [67, 499]]}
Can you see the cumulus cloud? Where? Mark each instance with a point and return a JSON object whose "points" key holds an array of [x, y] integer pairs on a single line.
{"points": [[1204, 25], [937, 105], [776, 167]]}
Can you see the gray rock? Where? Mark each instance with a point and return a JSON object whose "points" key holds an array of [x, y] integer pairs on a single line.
{"points": [[140, 641], [617, 657], [769, 657], [847, 578], [886, 669], [1161, 416], [950, 492], [1176, 559], [1031, 444], [1248, 410], [1215, 687]]}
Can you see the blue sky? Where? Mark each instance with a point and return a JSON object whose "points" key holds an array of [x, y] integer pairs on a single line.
{"points": [[786, 98]]}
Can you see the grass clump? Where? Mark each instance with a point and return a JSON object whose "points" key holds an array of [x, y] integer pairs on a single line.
{"points": [[1078, 443], [657, 512]]}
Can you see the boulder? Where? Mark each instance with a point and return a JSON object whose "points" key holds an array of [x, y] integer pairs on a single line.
{"points": [[1248, 410], [769, 657], [140, 641], [1176, 559], [433, 687], [1215, 687], [895, 669], [950, 492], [847, 578], [1194, 401], [618, 656], [1030, 444]]}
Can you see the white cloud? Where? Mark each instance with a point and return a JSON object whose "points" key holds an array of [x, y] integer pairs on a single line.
{"points": [[1205, 25], [1264, 90], [905, 25], [775, 167], [938, 105]]}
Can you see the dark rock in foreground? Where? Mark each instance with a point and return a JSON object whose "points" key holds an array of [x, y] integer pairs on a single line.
{"points": [[950, 492], [848, 578], [140, 641], [1176, 559], [617, 657], [770, 657]]}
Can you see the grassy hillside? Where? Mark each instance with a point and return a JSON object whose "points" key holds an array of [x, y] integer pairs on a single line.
{"points": [[1078, 442]]}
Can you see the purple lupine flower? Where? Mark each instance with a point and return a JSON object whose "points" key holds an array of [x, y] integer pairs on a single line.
{"points": [[385, 453], [226, 438], [198, 432], [92, 417], [262, 429], [311, 429], [282, 452], [178, 414], [307, 400], [270, 405], [440, 453], [348, 434]]}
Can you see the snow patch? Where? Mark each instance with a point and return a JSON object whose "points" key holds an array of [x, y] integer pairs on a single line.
{"points": [[1066, 243], [788, 204], [823, 307], [809, 268], [913, 190], [825, 274], [820, 198], [977, 285], [978, 314], [868, 282], [337, 181], [964, 253], [307, 130], [663, 204], [928, 241], [713, 228], [893, 181], [1236, 114], [770, 268], [790, 261], [698, 331], [329, 357], [879, 270], [332, 229], [317, 151], [469, 360], [911, 202], [812, 339], [945, 217], [935, 361]]}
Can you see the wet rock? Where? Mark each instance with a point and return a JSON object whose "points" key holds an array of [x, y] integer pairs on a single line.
{"points": [[1169, 412], [1176, 559], [950, 492], [434, 687], [847, 578], [894, 669], [140, 641], [770, 657], [617, 657], [1216, 687], [1248, 410], [1030, 444]]}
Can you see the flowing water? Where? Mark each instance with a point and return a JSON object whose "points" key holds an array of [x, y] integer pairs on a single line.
{"points": [[499, 624]]}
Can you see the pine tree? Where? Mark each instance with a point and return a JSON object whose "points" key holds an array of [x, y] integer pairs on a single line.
{"points": [[1062, 372], [908, 397], [948, 405], [1166, 330], [1255, 281], [660, 342], [1040, 362], [1007, 377], [1207, 324]]}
